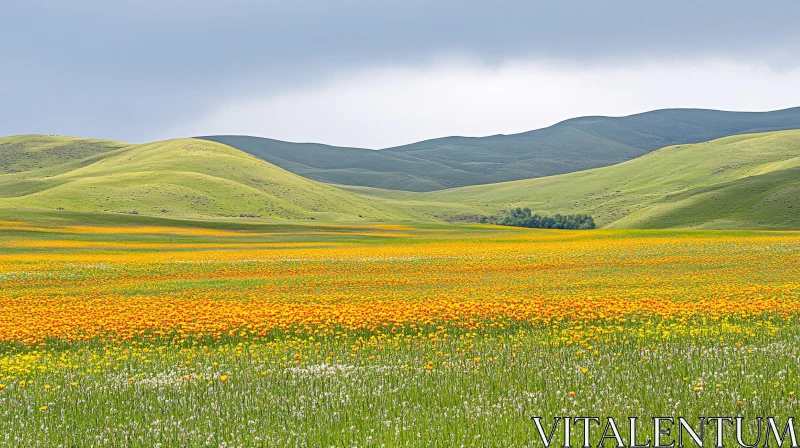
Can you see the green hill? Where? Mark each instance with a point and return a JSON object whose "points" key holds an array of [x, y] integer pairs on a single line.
{"points": [[743, 181], [32, 152], [177, 178], [573, 145]]}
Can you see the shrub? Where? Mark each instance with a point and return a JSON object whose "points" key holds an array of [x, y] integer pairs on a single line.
{"points": [[522, 217]]}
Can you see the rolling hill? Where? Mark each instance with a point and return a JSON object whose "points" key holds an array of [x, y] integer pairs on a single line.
{"points": [[30, 152], [177, 178], [742, 181], [747, 181], [572, 145]]}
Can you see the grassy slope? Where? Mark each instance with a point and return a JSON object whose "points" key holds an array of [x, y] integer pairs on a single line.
{"points": [[46, 152], [573, 145], [746, 181], [178, 178]]}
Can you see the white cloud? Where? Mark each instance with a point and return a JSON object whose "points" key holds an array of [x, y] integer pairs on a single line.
{"points": [[390, 106]]}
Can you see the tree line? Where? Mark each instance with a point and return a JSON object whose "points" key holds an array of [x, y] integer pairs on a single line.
{"points": [[522, 217]]}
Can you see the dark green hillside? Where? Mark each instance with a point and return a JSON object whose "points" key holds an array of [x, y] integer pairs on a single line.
{"points": [[572, 145]]}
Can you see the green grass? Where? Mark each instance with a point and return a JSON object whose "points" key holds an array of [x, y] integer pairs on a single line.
{"points": [[744, 181], [572, 145], [747, 181], [48, 155], [178, 178]]}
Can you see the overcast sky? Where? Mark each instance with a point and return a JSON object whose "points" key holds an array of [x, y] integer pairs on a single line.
{"points": [[379, 73]]}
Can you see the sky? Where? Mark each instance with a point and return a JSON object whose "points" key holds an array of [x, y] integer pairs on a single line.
{"points": [[377, 73]]}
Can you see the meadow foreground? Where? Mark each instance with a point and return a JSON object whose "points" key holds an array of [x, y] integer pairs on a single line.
{"points": [[384, 335]]}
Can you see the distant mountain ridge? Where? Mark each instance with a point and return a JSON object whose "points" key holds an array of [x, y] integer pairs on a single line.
{"points": [[572, 145]]}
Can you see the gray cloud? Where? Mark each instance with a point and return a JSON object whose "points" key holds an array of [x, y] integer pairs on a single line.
{"points": [[395, 105], [131, 70]]}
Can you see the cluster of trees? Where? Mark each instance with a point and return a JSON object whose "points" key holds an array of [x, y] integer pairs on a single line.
{"points": [[522, 217]]}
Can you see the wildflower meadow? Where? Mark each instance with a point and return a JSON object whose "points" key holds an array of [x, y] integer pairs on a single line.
{"points": [[384, 335]]}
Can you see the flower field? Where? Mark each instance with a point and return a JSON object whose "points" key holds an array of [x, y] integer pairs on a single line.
{"points": [[384, 335]]}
